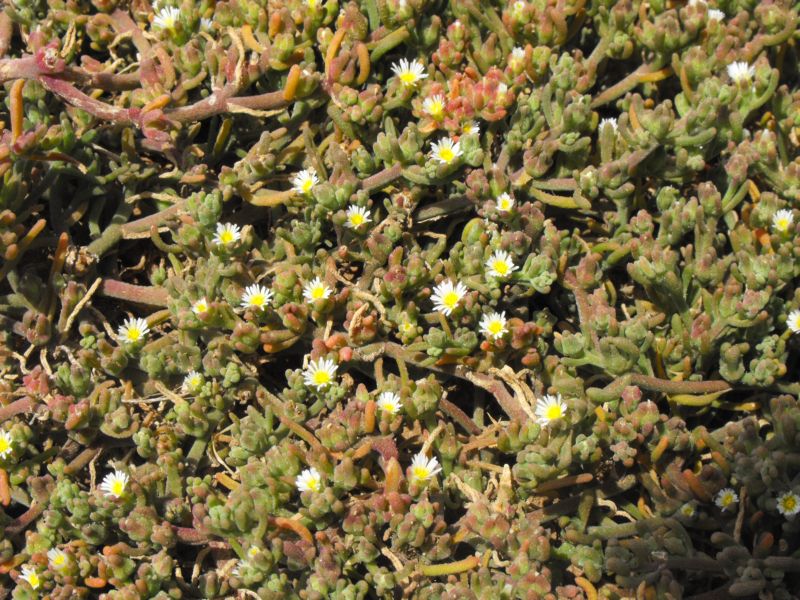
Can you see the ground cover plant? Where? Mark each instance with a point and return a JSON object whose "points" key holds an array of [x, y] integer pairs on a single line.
{"points": [[399, 299]]}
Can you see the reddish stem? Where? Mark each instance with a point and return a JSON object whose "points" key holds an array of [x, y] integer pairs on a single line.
{"points": [[142, 294], [17, 407]]}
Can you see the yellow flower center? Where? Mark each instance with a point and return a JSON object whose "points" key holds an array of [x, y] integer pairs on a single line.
{"points": [[435, 108], [257, 300], [356, 219], [5, 446], [408, 77], [500, 266], [313, 483], [687, 511], [322, 377], [201, 307], [312, 4], [33, 580], [450, 299], [467, 129], [495, 327], [195, 381], [58, 560], [797, 322], [318, 292], [226, 237], [117, 487], [782, 224], [553, 412], [134, 334], [420, 472], [726, 500], [446, 154], [789, 503], [252, 552], [307, 185]]}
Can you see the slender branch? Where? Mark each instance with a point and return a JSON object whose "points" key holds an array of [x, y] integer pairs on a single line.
{"points": [[17, 407], [142, 294]]}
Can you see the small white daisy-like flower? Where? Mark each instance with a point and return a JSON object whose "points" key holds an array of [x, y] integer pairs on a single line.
{"points": [[782, 220], [740, 71], [114, 483], [192, 382], [470, 128], [446, 296], [517, 9], [320, 373], [409, 72], [445, 150], [253, 551], [357, 216], [789, 504], [434, 106], [715, 15], [389, 402], [133, 330], [30, 576], [504, 202], [304, 181], [550, 408], [227, 234], [57, 558], [206, 24], [517, 56], [309, 481], [611, 121], [316, 290], [793, 321], [493, 325], [424, 468], [200, 307], [688, 510], [6, 444], [500, 265], [256, 296], [166, 18], [726, 498]]}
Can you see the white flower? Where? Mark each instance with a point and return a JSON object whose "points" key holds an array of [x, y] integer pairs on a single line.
{"points": [[493, 325], [316, 290], [725, 498], [470, 128], [114, 483], [200, 306], [434, 106], [517, 56], [320, 374], [446, 296], [166, 18], [133, 330], [253, 551], [500, 265], [504, 202], [192, 382], [58, 558], [407, 327], [793, 321], [782, 220], [256, 296], [741, 71], [688, 510], [409, 73], [612, 122], [30, 575], [789, 504], [357, 216], [389, 402], [423, 468], [206, 24], [445, 150], [304, 181], [309, 481], [227, 233], [517, 9], [550, 408], [715, 15], [6, 444]]}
